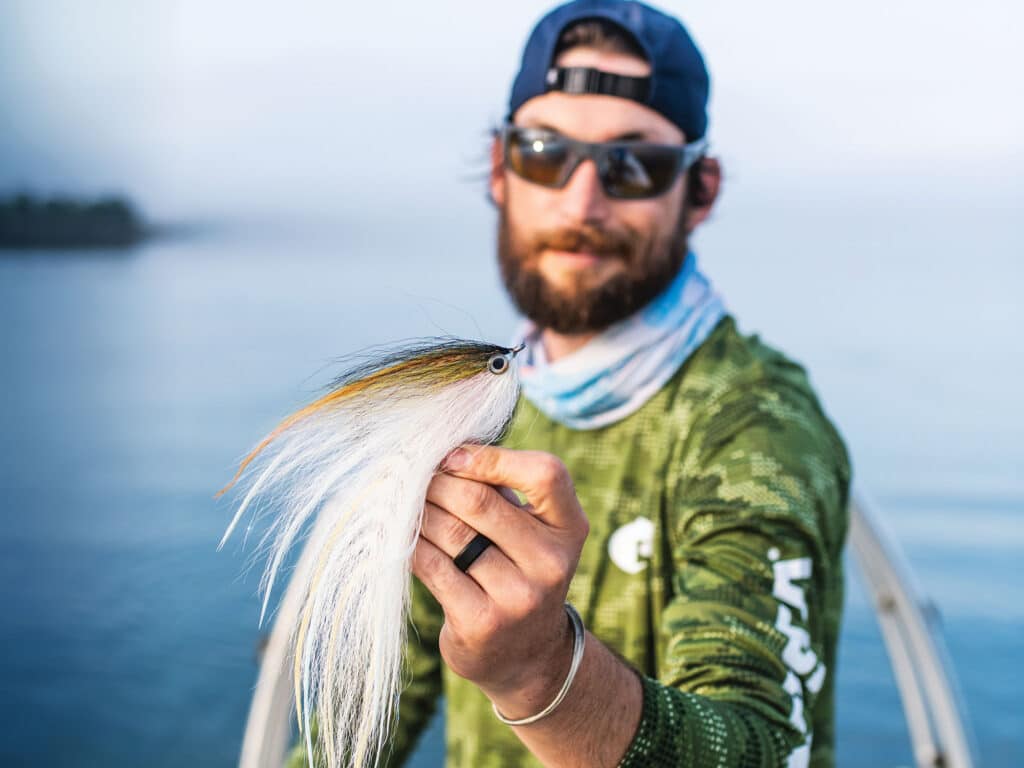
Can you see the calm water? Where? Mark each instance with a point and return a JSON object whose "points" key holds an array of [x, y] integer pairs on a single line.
{"points": [[132, 382]]}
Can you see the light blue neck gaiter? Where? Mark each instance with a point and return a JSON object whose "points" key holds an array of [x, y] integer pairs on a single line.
{"points": [[621, 368]]}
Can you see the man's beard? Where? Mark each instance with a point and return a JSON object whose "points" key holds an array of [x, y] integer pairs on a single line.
{"points": [[649, 267]]}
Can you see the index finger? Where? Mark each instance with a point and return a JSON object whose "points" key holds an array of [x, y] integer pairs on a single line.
{"points": [[540, 476]]}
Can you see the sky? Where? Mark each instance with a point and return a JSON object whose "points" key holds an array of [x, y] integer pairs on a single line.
{"points": [[199, 109]]}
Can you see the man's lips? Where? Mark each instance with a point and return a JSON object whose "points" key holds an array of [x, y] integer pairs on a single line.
{"points": [[574, 258]]}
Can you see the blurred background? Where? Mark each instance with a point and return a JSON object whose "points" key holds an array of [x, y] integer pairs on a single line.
{"points": [[313, 174]]}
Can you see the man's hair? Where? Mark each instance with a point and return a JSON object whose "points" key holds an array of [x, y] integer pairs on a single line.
{"points": [[601, 35]]}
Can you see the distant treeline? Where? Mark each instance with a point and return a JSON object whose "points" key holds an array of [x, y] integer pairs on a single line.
{"points": [[29, 222]]}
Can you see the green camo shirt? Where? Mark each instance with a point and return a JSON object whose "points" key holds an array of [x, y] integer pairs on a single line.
{"points": [[713, 565]]}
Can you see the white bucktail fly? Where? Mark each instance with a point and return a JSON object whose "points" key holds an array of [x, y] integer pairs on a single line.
{"points": [[351, 471]]}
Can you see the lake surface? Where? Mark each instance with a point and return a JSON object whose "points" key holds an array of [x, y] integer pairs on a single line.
{"points": [[133, 381]]}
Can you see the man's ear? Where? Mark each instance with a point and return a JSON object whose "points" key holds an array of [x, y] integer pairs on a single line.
{"points": [[704, 181], [496, 182]]}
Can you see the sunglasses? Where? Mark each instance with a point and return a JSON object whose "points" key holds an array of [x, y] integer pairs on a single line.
{"points": [[628, 170]]}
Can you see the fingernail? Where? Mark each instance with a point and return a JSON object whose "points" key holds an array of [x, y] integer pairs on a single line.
{"points": [[457, 459]]}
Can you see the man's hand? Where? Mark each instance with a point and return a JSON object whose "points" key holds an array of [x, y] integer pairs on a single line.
{"points": [[505, 625]]}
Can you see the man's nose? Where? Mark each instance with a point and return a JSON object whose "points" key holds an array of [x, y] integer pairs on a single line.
{"points": [[582, 200]]}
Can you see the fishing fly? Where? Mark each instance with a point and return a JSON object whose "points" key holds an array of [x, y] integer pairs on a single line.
{"points": [[349, 474]]}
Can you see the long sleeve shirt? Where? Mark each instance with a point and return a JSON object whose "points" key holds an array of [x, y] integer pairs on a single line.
{"points": [[713, 566]]}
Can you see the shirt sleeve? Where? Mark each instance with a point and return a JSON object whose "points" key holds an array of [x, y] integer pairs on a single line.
{"points": [[756, 519], [418, 701]]}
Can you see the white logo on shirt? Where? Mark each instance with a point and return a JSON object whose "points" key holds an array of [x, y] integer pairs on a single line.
{"points": [[631, 545], [804, 668]]}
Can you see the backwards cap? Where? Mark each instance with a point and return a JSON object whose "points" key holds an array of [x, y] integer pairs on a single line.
{"points": [[677, 87]]}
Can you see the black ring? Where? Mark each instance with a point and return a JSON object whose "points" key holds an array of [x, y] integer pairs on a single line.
{"points": [[471, 552]]}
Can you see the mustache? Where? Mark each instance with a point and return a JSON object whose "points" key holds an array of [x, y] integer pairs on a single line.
{"points": [[592, 239]]}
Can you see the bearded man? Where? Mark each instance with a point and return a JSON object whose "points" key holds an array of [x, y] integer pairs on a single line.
{"points": [[697, 622]]}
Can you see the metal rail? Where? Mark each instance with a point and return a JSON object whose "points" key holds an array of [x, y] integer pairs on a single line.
{"points": [[913, 637], [909, 625]]}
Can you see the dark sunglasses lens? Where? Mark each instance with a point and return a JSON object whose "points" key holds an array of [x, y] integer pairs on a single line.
{"points": [[537, 156], [638, 170]]}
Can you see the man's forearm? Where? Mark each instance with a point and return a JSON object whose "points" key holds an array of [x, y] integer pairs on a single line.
{"points": [[594, 725]]}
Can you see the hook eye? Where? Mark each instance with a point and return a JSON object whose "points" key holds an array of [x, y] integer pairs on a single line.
{"points": [[498, 364]]}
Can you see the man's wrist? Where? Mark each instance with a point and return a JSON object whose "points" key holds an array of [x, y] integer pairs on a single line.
{"points": [[579, 638], [540, 681], [597, 721]]}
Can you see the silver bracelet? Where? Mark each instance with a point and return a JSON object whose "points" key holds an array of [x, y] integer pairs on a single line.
{"points": [[578, 641]]}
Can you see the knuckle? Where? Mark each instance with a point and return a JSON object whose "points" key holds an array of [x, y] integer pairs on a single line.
{"points": [[430, 563], [485, 459], [551, 472], [563, 568], [535, 596], [522, 596], [439, 563], [457, 532], [521, 600], [488, 624], [552, 466], [477, 496], [555, 569]]}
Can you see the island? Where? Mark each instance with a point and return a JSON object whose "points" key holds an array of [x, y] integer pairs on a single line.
{"points": [[30, 222]]}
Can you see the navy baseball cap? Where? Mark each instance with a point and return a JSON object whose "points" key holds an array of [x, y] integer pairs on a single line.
{"points": [[677, 87]]}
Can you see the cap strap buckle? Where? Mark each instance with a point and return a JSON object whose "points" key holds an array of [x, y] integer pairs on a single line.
{"points": [[580, 80]]}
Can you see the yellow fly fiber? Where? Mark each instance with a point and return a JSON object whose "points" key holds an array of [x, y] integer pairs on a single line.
{"points": [[432, 370], [352, 469]]}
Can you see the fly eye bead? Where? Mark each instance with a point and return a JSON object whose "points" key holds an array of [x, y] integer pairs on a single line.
{"points": [[498, 364]]}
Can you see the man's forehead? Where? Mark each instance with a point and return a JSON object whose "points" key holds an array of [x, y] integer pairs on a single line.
{"points": [[616, 62], [597, 118]]}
